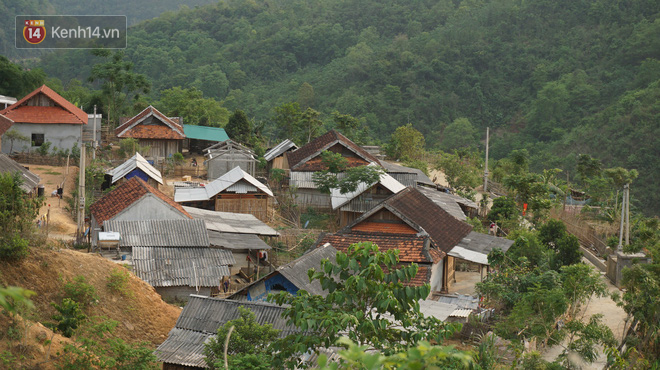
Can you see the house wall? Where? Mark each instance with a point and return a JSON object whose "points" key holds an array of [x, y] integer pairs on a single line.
{"points": [[249, 204], [62, 136], [162, 148], [181, 293], [148, 207], [140, 174], [437, 273], [259, 291], [222, 164], [313, 198]]}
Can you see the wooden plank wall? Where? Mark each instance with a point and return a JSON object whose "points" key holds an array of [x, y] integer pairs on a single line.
{"points": [[256, 207]]}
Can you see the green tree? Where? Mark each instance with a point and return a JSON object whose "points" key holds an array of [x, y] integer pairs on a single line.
{"points": [[310, 124], [15, 135], [350, 126], [129, 146], [16, 81], [18, 210], [306, 95], [119, 83], [459, 134], [462, 169], [287, 119], [368, 300], [68, 317], [239, 127], [406, 143], [191, 105], [338, 176], [248, 344]]}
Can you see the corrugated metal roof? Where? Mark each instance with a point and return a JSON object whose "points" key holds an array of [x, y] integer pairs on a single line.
{"points": [[445, 201], [227, 145], [236, 241], [476, 246], [163, 267], [237, 223], [232, 177], [279, 149], [338, 199], [183, 347], [205, 133], [460, 300], [136, 161], [236, 180], [160, 233], [200, 319], [420, 176], [30, 180], [439, 310], [461, 313]]}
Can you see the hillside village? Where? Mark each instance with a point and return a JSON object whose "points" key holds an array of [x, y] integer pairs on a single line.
{"points": [[180, 228]]}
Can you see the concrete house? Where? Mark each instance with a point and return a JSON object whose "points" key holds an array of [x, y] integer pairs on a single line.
{"points": [[236, 191], [227, 155], [136, 166], [43, 115], [133, 200], [164, 135], [5, 125]]}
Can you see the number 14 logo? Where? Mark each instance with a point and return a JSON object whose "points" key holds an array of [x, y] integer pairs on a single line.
{"points": [[34, 31]]}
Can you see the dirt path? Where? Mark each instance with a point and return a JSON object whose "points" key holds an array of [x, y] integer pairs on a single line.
{"points": [[62, 225]]}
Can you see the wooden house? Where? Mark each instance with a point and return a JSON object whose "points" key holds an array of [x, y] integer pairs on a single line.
{"points": [[410, 222], [133, 200], [173, 256], [291, 277], [199, 321], [43, 115], [236, 191], [223, 157], [353, 204], [164, 135], [136, 166], [276, 156], [303, 162], [241, 234]]}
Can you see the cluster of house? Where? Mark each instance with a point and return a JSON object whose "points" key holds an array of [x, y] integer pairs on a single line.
{"points": [[213, 235]]}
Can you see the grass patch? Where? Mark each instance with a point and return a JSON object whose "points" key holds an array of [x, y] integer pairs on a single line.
{"points": [[50, 172]]}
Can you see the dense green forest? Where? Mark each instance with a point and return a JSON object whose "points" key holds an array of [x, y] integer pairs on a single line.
{"points": [[558, 78]]}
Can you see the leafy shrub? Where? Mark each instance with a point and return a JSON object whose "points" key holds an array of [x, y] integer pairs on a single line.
{"points": [[68, 318], [118, 281], [13, 247], [80, 291], [44, 148]]}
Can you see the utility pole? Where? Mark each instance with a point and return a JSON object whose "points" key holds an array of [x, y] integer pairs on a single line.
{"points": [[624, 218], [627, 190], [486, 167], [94, 135], [81, 190]]}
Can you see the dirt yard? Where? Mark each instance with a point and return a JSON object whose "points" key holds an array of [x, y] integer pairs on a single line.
{"points": [[62, 225]]}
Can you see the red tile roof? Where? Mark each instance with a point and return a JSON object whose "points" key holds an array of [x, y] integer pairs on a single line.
{"points": [[61, 112], [414, 207], [316, 146], [5, 124], [423, 275], [169, 130], [411, 247], [125, 195]]}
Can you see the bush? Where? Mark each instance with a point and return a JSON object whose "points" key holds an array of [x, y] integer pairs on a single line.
{"points": [[44, 148], [13, 247], [80, 291], [68, 318], [118, 281]]}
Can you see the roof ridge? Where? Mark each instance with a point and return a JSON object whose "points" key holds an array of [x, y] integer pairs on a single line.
{"points": [[56, 98]]}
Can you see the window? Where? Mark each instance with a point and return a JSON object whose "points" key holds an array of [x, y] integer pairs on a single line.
{"points": [[37, 139]]}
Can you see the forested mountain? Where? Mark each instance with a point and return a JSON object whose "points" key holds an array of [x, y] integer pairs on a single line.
{"points": [[557, 77]]}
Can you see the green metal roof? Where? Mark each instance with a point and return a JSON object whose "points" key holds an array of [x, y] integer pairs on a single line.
{"points": [[205, 133]]}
